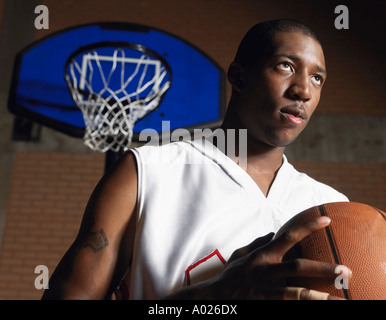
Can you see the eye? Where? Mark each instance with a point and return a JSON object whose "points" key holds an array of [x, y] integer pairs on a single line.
{"points": [[286, 66], [318, 79]]}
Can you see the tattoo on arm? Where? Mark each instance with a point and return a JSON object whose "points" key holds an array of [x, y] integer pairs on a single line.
{"points": [[96, 240]]}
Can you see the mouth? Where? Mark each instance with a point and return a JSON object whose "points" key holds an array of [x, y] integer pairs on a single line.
{"points": [[294, 114]]}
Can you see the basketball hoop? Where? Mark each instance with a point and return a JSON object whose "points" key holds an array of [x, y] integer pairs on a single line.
{"points": [[115, 84]]}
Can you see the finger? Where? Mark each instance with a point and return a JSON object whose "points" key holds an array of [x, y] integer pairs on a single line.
{"points": [[290, 237], [317, 295], [298, 293], [257, 243], [307, 268], [292, 293]]}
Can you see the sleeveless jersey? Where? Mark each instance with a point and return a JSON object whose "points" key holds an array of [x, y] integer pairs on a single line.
{"points": [[196, 206]]}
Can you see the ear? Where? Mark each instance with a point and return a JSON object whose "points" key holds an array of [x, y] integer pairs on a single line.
{"points": [[235, 76]]}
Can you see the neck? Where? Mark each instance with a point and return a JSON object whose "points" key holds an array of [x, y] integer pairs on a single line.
{"points": [[262, 161], [259, 154]]}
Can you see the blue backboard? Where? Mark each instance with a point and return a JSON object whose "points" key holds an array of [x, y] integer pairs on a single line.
{"points": [[195, 99]]}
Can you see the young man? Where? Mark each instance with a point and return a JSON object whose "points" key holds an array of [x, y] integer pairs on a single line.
{"points": [[183, 230]]}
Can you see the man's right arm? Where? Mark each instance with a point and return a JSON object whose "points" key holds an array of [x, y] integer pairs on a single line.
{"points": [[101, 253]]}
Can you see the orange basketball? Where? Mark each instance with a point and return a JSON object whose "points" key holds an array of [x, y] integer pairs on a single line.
{"points": [[356, 238]]}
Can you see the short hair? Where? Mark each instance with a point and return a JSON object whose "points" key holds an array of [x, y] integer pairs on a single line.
{"points": [[257, 44]]}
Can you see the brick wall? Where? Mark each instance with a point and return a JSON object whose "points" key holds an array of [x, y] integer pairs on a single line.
{"points": [[360, 182], [49, 192]]}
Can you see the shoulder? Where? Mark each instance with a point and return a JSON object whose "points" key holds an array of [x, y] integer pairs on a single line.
{"points": [[151, 149], [319, 190], [180, 152]]}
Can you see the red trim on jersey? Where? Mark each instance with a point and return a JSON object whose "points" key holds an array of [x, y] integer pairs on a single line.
{"points": [[194, 265]]}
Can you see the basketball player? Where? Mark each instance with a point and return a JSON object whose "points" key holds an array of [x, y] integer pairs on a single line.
{"points": [[206, 231]]}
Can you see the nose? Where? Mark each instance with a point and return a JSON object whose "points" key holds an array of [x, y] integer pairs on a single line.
{"points": [[300, 88]]}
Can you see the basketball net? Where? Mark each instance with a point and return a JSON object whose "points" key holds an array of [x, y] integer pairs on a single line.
{"points": [[112, 99]]}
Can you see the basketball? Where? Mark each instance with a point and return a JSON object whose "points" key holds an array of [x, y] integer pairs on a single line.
{"points": [[356, 238]]}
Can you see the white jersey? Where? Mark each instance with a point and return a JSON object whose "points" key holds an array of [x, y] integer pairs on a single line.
{"points": [[196, 206]]}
